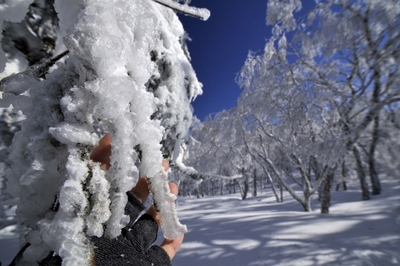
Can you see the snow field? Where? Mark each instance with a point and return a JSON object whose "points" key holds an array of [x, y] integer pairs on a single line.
{"points": [[224, 230]]}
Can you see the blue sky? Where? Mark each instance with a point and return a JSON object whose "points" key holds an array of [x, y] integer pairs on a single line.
{"points": [[220, 46]]}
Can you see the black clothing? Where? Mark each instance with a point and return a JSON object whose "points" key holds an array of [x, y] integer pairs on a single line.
{"points": [[133, 247]]}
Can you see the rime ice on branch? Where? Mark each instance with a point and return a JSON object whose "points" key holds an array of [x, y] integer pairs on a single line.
{"points": [[200, 13], [126, 74]]}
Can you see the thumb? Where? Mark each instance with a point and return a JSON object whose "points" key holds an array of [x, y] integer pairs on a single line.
{"points": [[172, 246]]}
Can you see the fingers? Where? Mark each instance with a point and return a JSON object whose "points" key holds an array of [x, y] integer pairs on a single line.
{"points": [[172, 246], [173, 188], [152, 211], [165, 164], [102, 155], [102, 152], [141, 190]]}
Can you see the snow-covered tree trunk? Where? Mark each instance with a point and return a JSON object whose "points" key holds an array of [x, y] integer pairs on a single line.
{"points": [[365, 194], [305, 201], [326, 195], [244, 185], [255, 183], [280, 190], [126, 74], [278, 199], [375, 182], [343, 177]]}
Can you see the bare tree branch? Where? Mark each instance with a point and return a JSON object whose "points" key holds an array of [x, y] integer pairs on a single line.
{"points": [[200, 13]]}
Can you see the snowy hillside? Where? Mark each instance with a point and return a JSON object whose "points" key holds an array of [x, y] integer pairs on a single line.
{"points": [[224, 230]]}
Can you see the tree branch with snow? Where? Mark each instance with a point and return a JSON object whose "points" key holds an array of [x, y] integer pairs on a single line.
{"points": [[200, 13], [138, 91]]}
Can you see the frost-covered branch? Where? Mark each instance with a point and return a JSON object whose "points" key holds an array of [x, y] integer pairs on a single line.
{"points": [[139, 92], [164, 201], [38, 70], [196, 175], [200, 13]]}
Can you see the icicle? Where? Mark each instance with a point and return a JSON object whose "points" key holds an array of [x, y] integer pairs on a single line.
{"points": [[164, 202]]}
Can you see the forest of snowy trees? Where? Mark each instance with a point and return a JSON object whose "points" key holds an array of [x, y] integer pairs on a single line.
{"points": [[320, 106]]}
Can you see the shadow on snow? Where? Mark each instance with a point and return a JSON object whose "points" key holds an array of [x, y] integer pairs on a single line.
{"points": [[227, 231]]}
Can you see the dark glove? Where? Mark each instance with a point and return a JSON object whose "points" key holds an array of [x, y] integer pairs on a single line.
{"points": [[132, 247]]}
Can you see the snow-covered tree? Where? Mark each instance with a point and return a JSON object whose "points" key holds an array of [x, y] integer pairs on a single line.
{"points": [[215, 151], [335, 69], [126, 74], [367, 53], [286, 142], [25, 43]]}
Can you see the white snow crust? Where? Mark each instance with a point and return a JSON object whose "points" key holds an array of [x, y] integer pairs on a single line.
{"points": [[225, 230], [201, 13], [117, 49]]}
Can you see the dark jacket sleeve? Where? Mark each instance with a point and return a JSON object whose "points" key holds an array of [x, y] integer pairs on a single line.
{"points": [[132, 247]]}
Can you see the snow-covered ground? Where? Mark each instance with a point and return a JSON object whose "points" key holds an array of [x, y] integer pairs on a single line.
{"points": [[226, 231]]}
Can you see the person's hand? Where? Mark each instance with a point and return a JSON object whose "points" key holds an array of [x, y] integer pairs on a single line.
{"points": [[134, 245], [102, 155]]}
